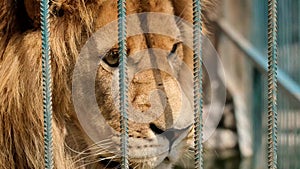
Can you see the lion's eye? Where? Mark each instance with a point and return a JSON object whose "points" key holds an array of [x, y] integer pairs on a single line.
{"points": [[111, 58]]}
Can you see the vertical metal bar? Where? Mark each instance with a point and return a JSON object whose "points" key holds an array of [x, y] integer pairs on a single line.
{"points": [[123, 82], [198, 101], [46, 76], [272, 84]]}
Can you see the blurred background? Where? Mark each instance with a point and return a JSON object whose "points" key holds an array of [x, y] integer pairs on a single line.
{"points": [[240, 37]]}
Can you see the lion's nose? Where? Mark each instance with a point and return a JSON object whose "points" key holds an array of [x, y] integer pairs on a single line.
{"points": [[171, 134], [156, 129]]}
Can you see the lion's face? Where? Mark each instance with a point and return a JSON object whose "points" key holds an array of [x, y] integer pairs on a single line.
{"points": [[160, 121]]}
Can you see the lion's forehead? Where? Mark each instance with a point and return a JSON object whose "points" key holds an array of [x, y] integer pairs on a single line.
{"points": [[109, 12]]}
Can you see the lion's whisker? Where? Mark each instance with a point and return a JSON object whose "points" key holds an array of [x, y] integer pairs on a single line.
{"points": [[92, 154], [97, 160], [95, 153], [92, 147]]}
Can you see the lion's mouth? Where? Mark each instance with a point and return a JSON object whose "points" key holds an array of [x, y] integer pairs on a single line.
{"points": [[110, 163], [114, 164], [142, 160]]}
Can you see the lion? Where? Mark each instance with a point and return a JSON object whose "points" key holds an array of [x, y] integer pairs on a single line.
{"points": [[73, 22]]}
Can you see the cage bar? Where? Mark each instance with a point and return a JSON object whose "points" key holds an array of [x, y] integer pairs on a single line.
{"points": [[272, 84], [123, 82], [198, 90], [47, 84]]}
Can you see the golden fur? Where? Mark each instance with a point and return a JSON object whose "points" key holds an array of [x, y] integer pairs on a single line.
{"points": [[72, 22]]}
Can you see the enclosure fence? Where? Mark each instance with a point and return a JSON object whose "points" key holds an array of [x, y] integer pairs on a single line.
{"points": [[46, 75], [252, 44], [198, 93]]}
